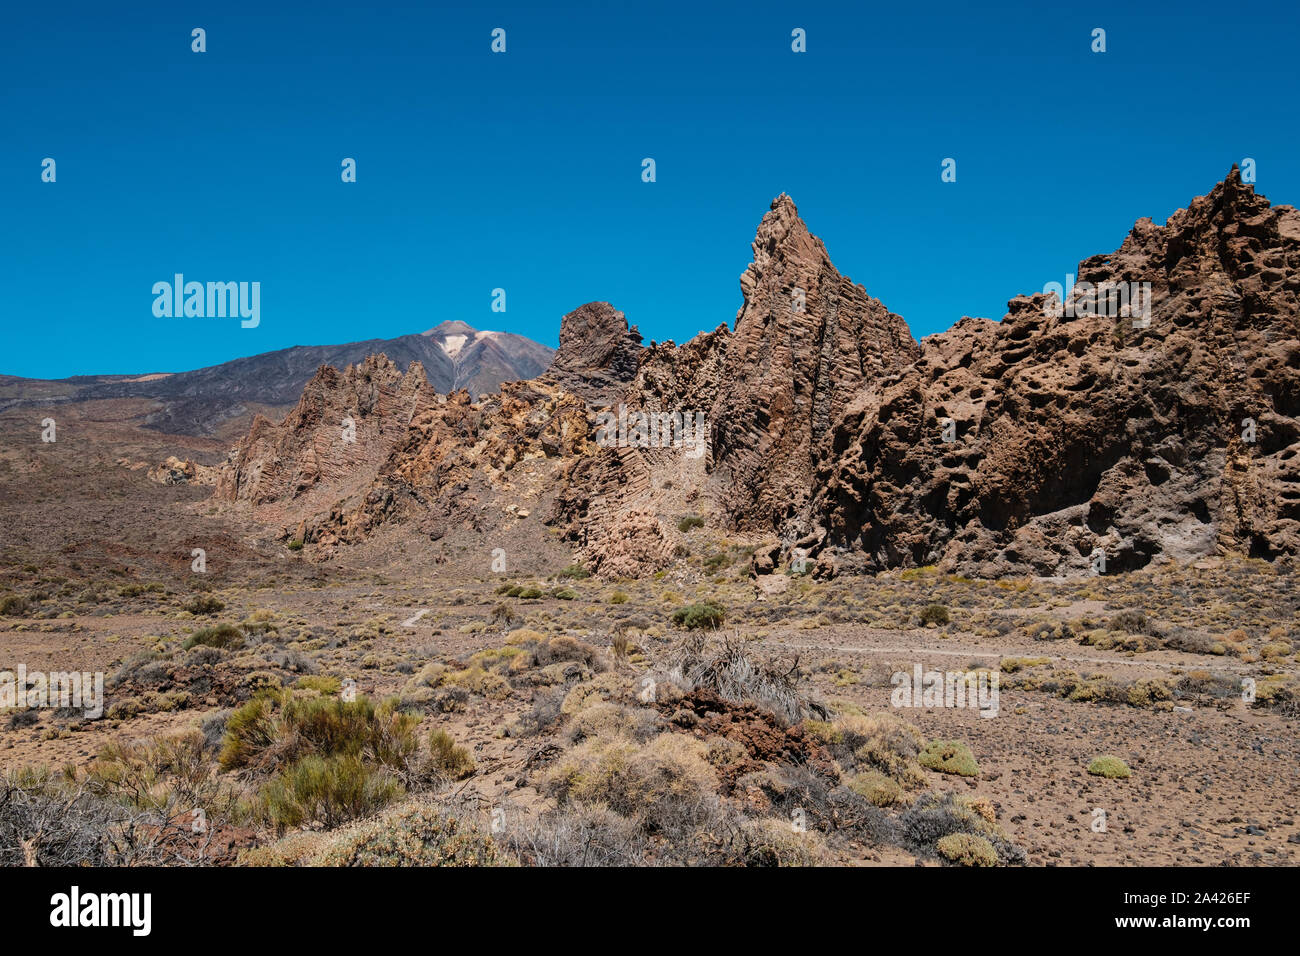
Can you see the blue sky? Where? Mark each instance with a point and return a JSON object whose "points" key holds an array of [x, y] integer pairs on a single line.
{"points": [[522, 170]]}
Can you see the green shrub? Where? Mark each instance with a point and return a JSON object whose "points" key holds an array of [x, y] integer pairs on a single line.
{"points": [[689, 522], [330, 790], [618, 597], [277, 726], [204, 604], [575, 571], [949, 756], [225, 636], [934, 614], [294, 545], [528, 592], [706, 616], [565, 594], [877, 788], [1112, 768], [456, 762]]}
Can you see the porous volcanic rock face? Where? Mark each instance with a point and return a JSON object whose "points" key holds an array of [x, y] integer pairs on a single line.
{"points": [[1074, 433], [806, 340]]}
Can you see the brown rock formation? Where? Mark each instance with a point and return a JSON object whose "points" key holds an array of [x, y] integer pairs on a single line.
{"points": [[1084, 432], [1023, 446], [457, 460], [806, 340], [598, 352], [332, 443]]}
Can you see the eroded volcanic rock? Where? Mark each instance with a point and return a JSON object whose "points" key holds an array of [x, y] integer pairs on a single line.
{"points": [[1165, 437], [332, 443], [1078, 433], [598, 353], [806, 340]]}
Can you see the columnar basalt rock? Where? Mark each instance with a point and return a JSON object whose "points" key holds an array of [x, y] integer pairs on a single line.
{"points": [[343, 427], [806, 340]]}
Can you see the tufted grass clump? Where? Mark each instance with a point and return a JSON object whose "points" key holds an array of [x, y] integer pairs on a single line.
{"points": [[455, 761]]}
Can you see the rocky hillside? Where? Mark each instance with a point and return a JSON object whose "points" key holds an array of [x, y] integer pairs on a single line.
{"points": [[1064, 434]]}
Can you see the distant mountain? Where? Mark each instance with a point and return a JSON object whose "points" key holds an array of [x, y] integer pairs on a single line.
{"points": [[454, 355]]}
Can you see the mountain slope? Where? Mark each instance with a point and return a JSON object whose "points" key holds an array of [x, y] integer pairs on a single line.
{"points": [[453, 355]]}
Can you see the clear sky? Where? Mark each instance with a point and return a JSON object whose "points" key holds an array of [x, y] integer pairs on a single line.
{"points": [[522, 170]]}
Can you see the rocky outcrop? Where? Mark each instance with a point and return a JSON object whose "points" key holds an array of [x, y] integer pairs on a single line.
{"points": [[1073, 432], [598, 353], [458, 461], [177, 471], [1064, 434], [344, 427], [807, 339]]}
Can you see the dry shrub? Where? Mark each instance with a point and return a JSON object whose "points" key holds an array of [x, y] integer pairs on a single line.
{"points": [[417, 834], [579, 835], [727, 669], [666, 784], [935, 816], [607, 719], [774, 842], [880, 742]]}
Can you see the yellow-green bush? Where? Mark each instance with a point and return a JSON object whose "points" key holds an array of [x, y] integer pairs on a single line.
{"points": [[967, 849], [1110, 767], [949, 756], [456, 762]]}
